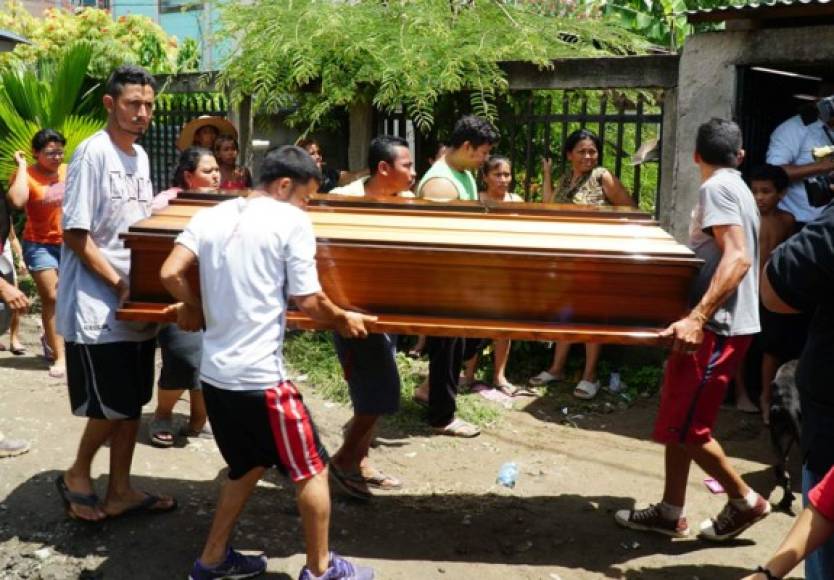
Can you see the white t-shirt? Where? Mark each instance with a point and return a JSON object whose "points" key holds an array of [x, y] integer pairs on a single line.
{"points": [[107, 191], [357, 189], [253, 254], [787, 147]]}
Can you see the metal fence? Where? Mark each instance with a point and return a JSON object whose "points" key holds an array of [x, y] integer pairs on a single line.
{"points": [[171, 113], [535, 124]]}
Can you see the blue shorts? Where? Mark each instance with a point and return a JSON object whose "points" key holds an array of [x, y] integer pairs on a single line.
{"points": [[41, 256]]}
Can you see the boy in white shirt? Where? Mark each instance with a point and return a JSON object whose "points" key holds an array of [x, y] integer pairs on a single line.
{"points": [[254, 254]]}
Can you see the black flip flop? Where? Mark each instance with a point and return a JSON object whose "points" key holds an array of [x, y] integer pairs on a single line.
{"points": [[145, 507], [351, 483], [72, 497]]}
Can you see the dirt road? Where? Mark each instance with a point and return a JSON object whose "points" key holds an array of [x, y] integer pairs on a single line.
{"points": [[450, 521]]}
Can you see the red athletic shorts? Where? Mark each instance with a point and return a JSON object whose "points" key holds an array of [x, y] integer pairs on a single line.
{"points": [[694, 386]]}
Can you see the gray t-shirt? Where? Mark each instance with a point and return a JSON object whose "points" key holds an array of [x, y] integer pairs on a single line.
{"points": [[725, 200], [107, 191]]}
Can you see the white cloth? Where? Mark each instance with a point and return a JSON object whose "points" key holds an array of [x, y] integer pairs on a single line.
{"points": [[787, 147], [107, 191], [357, 189], [253, 254]]}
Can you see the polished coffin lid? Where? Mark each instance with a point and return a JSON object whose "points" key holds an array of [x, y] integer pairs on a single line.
{"points": [[472, 274]]}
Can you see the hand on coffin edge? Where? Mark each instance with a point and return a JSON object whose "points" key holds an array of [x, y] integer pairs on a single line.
{"points": [[686, 335], [189, 318], [354, 324]]}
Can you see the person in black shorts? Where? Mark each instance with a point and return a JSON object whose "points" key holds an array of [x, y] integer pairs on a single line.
{"points": [[254, 255], [369, 365], [110, 363]]}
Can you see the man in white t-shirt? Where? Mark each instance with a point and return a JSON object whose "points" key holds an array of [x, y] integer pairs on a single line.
{"points": [[254, 254], [110, 363], [790, 148]]}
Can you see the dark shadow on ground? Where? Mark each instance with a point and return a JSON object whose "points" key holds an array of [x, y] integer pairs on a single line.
{"points": [[707, 571], [741, 435], [27, 362], [489, 528]]}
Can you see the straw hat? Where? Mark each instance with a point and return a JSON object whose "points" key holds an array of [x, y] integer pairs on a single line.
{"points": [[186, 138]]}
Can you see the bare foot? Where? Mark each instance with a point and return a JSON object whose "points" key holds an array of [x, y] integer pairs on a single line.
{"points": [[57, 370]]}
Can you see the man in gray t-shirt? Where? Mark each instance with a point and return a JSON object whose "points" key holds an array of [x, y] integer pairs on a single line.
{"points": [[708, 345], [109, 362]]}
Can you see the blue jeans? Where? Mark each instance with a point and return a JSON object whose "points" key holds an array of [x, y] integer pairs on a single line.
{"points": [[819, 565]]}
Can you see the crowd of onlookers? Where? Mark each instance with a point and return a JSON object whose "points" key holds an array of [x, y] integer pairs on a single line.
{"points": [[761, 295]]}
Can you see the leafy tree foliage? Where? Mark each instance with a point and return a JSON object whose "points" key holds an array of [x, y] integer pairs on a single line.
{"points": [[316, 57], [53, 93], [131, 38]]}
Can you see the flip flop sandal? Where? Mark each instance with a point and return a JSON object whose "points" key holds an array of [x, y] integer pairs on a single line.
{"points": [[18, 351], [543, 378], [458, 428], [146, 507], [159, 427], [586, 390], [419, 401], [525, 392], [508, 389], [353, 484], [381, 481], [71, 497]]}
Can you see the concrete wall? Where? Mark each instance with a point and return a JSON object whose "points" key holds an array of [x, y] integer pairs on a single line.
{"points": [[707, 88]]}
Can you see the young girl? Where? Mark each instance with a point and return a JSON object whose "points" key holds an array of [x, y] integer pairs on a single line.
{"points": [[232, 175], [497, 176], [39, 190]]}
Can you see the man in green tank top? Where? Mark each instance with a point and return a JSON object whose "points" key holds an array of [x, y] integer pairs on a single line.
{"points": [[451, 176]]}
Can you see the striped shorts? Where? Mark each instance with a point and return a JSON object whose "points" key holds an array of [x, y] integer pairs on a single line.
{"points": [[265, 428]]}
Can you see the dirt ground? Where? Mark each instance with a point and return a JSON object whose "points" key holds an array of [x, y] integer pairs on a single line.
{"points": [[450, 521]]}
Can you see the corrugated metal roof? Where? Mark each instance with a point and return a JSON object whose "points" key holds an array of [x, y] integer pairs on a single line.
{"points": [[762, 10]]}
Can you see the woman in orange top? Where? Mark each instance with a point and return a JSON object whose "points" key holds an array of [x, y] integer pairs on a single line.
{"points": [[39, 190]]}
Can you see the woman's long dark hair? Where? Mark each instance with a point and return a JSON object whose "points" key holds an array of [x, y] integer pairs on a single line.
{"points": [[574, 138], [188, 161]]}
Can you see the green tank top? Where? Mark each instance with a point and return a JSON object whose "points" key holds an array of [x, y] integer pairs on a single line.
{"points": [[463, 181]]}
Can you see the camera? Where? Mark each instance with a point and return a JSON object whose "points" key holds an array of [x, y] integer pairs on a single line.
{"points": [[819, 190]]}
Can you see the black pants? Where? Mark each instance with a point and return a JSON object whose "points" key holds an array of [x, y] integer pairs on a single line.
{"points": [[446, 356]]}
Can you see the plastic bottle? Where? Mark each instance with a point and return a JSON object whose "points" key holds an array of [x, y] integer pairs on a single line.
{"points": [[508, 474], [614, 383]]}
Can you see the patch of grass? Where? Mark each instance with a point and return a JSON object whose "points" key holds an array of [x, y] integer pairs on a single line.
{"points": [[312, 354]]}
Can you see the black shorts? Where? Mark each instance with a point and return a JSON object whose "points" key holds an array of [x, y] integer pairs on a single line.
{"points": [[112, 380], [783, 335], [181, 353], [371, 373], [265, 428]]}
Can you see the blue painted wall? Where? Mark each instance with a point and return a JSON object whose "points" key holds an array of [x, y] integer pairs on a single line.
{"points": [[197, 24]]}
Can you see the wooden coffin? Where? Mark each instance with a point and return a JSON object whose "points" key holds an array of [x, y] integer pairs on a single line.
{"points": [[476, 274]]}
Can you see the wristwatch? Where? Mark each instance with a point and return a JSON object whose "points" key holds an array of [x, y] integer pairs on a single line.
{"points": [[770, 575]]}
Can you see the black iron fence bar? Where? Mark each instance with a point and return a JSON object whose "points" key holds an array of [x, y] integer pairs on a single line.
{"points": [[528, 153], [603, 107], [638, 140], [589, 119], [618, 161]]}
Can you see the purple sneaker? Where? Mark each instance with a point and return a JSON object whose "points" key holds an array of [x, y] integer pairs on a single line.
{"points": [[236, 566], [339, 569]]}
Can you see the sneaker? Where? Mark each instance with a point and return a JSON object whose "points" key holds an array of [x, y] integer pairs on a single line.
{"points": [[733, 520], [12, 447], [235, 567], [651, 519], [339, 569]]}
